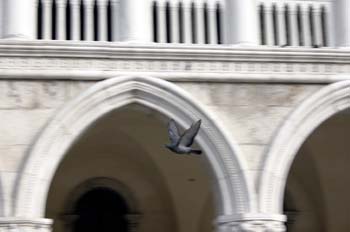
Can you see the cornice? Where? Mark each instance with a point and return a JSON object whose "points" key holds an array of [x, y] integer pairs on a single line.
{"points": [[22, 59], [88, 49]]}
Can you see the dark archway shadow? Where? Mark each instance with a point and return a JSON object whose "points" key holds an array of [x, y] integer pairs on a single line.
{"points": [[101, 210]]}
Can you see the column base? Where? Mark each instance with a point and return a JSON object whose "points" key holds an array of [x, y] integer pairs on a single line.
{"points": [[25, 224], [251, 223]]}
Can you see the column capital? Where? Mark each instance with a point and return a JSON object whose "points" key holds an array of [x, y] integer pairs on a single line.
{"points": [[252, 223]]}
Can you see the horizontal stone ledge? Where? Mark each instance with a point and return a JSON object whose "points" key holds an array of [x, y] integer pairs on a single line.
{"points": [[250, 217], [25, 221], [113, 50], [173, 77]]}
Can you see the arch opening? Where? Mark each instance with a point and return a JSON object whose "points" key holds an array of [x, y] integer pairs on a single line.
{"points": [[317, 185], [298, 175], [126, 146], [234, 195]]}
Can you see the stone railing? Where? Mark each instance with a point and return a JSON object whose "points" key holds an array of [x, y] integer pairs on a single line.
{"points": [[295, 23], [187, 21]]}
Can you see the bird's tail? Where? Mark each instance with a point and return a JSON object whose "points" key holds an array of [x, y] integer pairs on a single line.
{"points": [[197, 152]]}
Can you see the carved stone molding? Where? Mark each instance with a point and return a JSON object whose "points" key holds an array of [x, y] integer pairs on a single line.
{"points": [[258, 226], [25, 225], [98, 60], [251, 223], [252, 226]]}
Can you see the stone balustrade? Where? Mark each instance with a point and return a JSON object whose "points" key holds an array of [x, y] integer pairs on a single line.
{"points": [[295, 23], [322, 23]]}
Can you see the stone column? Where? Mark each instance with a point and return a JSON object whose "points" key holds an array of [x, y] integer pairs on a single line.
{"points": [[136, 18], [241, 22], [251, 223], [342, 23], [19, 19]]}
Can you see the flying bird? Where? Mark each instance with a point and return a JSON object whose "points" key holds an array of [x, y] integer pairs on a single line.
{"points": [[182, 144]]}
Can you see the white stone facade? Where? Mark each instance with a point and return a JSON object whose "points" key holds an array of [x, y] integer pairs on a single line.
{"points": [[258, 104]]}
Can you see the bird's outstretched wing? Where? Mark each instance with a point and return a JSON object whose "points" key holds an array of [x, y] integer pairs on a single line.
{"points": [[188, 136], [173, 132]]}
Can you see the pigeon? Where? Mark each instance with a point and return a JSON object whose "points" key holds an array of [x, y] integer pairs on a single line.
{"points": [[182, 144]]}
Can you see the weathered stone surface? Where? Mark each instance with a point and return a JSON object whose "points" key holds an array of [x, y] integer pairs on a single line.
{"points": [[235, 94], [20, 127]]}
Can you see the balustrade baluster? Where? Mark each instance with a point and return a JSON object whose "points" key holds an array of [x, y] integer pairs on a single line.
{"points": [[316, 14], [199, 21], [187, 21], [115, 19], [293, 25], [61, 19], [213, 30], [75, 19], [306, 24], [47, 19], [88, 20], [174, 21], [102, 20], [269, 33], [281, 24], [162, 30]]}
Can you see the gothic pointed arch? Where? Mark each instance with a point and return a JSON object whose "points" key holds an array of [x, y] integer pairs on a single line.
{"points": [[235, 194], [322, 105]]}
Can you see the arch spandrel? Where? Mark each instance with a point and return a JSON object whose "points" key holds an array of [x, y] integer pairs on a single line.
{"points": [[234, 192]]}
